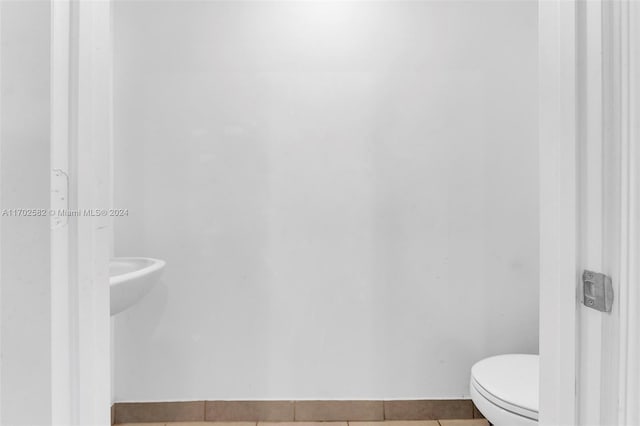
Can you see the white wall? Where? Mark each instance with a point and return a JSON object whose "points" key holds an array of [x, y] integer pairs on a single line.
{"points": [[25, 385], [345, 194]]}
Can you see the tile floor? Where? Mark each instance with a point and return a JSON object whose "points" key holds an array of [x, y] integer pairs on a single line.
{"points": [[467, 422], [247, 413]]}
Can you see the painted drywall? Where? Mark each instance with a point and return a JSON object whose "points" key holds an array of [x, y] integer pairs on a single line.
{"points": [[345, 194], [25, 344]]}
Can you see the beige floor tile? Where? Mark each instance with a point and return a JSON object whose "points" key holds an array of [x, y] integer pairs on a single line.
{"points": [[238, 411], [159, 412], [428, 409], [476, 413], [211, 424], [397, 423], [140, 424], [302, 424], [322, 411], [468, 422]]}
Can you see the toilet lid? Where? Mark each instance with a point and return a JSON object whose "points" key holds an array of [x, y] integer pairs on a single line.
{"points": [[510, 382]]}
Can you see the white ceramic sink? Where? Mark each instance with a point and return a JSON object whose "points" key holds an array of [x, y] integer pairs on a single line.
{"points": [[131, 278]]}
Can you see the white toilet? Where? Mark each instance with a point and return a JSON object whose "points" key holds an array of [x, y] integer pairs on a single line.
{"points": [[505, 389]]}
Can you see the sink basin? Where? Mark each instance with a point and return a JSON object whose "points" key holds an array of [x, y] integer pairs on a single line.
{"points": [[131, 278]]}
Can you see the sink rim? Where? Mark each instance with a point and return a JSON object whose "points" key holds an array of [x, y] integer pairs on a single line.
{"points": [[154, 265]]}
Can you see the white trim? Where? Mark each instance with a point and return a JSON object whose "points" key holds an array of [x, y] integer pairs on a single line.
{"points": [[614, 159], [629, 111], [61, 392], [1, 5], [91, 235], [558, 211], [632, 321], [591, 238], [590, 176], [81, 147], [620, 359]]}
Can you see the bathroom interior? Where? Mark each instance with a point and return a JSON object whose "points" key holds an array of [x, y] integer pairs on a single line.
{"points": [[344, 193], [318, 213]]}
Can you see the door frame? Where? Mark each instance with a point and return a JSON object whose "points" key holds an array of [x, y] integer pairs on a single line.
{"points": [[558, 164], [81, 180], [589, 68], [627, 109]]}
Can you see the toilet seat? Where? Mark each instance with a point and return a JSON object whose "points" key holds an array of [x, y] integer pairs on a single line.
{"points": [[506, 386]]}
